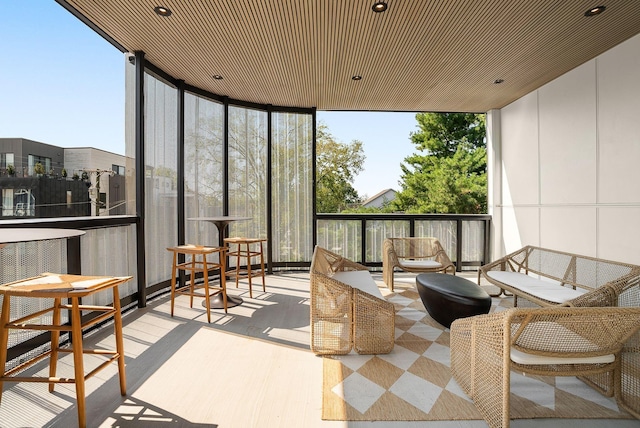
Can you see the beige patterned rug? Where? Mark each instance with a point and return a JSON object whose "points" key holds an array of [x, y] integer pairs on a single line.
{"points": [[413, 382]]}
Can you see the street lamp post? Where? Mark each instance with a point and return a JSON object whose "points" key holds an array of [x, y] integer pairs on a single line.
{"points": [[94, 192]]}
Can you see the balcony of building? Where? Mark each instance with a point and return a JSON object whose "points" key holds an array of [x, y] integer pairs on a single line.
{"points": [[561, 96]]}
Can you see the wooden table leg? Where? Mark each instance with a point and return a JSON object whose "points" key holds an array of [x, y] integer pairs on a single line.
{"points": [[78, 360], [55, 336], [4, 338], [117, 322]]}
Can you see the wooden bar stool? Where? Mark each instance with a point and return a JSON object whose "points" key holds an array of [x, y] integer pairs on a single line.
{"points": [[246, 248], [194, 266]]}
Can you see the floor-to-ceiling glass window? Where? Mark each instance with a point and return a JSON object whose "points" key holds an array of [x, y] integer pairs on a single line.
{"points": [[248, 171], [161, 176], [292, 184], [203, 167]]}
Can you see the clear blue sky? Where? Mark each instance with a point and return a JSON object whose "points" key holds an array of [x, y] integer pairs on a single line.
{"points": [[64, 85]]}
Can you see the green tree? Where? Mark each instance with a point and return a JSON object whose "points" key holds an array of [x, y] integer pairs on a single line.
{"points": [[451, 176], [337, 164]]}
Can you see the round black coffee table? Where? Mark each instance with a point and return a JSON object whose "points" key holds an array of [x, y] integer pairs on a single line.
{"points": [[449, 297]]}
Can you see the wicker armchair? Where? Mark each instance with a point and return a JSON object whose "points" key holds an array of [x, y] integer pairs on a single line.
{"points": [[413, 255], [347, 315], [554, 341]]}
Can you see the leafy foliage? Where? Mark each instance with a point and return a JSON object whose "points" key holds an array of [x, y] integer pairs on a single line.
{"points": [[337, 164], [451, 176], [38, 168]]}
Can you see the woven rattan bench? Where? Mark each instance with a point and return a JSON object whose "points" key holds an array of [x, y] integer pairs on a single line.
{"points": [[348, 310]]}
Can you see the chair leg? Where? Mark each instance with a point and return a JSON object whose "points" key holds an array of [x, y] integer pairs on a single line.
{"points": [[223, 281], [264, 287], [173, 281], [249, 275], [238, 256], [205, 269], [192, 288]]}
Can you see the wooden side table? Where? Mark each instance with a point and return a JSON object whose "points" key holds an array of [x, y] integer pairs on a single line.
{"points": [[73, 288], [193, 266]]}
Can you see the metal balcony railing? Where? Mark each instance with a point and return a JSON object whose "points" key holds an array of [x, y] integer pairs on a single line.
{"points": [[109, 247], [359, 237]]}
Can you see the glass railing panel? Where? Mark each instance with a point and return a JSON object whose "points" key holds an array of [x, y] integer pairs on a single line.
{"points": [[343, 237], [110, 251], [444, 230], [24, 260], [378, 230], [473, 243]]}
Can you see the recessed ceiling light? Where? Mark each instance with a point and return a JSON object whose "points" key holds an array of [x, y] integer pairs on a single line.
{"points": [[595, 11], [162, 11], [498, 81], [356, 77], [379, 6], [217, 77]]}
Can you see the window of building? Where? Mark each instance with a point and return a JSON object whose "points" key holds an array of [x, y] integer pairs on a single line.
{"points": [[7, 202], [6, 159], [24, 203], [34, 159], [18, 203], [119, 170]]}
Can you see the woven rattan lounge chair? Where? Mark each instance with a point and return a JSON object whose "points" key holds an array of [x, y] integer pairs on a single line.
{"points": [[556, 341], [418, 255], [348, 310]]}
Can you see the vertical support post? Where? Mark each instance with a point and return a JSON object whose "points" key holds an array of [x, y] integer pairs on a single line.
{"points": [[459, 245], [269, 191], [180, 173], [225, 157], [363, 233], [140, 180], [495, 206], [314, 222], [74, 260]]}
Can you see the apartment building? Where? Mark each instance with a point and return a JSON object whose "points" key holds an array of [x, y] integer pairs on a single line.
{"points": [[42, 180]]}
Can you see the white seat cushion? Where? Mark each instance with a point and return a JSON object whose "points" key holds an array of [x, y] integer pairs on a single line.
{"points": [[565, 337], [418, 264], [520, 357], [549, 291], [360, 279]]}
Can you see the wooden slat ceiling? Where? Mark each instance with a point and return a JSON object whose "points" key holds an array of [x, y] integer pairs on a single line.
{"points": [[419, 55]]}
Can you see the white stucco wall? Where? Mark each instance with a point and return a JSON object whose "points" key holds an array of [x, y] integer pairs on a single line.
{"points": [[565, 161]]}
